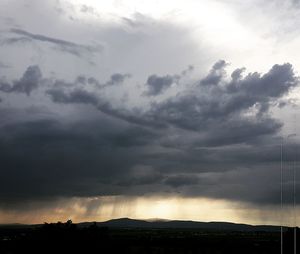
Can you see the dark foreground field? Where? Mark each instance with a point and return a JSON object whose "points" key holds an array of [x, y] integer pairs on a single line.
{"points": [[96, 238]]}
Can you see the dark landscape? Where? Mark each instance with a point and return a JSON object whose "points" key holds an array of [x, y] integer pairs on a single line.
{"points": [[138, 236]]}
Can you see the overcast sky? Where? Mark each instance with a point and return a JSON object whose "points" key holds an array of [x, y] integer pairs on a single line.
{"points": [[148, 109]]}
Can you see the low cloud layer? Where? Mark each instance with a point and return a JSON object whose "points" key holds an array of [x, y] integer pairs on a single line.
{"points": [[216, 138]]}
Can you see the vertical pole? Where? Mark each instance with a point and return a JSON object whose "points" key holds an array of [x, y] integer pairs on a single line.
{"points": [[281, 197], [294, 178], [295, 213]]}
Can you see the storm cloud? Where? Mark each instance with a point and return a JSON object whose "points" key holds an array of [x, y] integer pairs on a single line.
{"points": [[190, 104], [189, 143]]}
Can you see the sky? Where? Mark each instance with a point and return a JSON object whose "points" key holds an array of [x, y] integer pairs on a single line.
{"points": [[173, 109]]}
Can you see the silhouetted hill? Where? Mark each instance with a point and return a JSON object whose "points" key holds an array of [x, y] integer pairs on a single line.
{"points": [[164, 224], [144, 237]]}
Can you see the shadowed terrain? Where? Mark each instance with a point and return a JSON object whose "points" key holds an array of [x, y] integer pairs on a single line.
{"points": [[137, 236]]}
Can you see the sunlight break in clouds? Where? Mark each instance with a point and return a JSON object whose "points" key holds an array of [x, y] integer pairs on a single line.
{"points": [[170, 207]]}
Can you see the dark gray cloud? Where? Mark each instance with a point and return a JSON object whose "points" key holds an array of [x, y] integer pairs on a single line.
{"points": [[45, 158], [82, 96], [26, 84], [75, 96], [63, 45], [220, 107], [63, 96], [157, 84], [116, 78], [93, 81], [215, 75], [189, 69], [215, 139], [81, 80], [181, 180], [233, 112]]}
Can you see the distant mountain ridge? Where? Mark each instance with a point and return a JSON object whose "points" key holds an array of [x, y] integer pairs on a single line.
{"points": [[167, 224], [181, 224]]}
